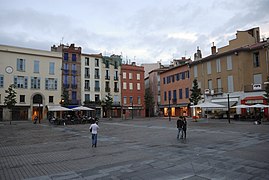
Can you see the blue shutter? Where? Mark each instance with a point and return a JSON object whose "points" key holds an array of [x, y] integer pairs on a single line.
{"points": [[25, 82], [32, 82], [16, 81], [46, 83], [38, 82], [55, 81]]}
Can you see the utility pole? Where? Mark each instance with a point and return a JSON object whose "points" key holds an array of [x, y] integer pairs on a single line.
{"points": [[228, 114]]}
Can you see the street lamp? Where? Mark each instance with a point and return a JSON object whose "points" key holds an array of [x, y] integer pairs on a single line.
{"points": [[228, 114], [169, 110]]}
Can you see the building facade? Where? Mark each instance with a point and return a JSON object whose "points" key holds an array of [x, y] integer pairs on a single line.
{"points": [[132, 91], [71, 72], [36, 75], [237, 71], [175, 90]]}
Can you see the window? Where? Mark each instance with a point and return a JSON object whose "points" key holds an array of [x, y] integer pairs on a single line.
{"points": [[107, 75], [51, 68], [87, 97], [20, 64], [124, 85], [187, 74], [87, 85], [208, 67], [65, 66], [173, 78], [74, 82], [97, 86], [165, 95], [35, 83], [116, 87], [74, 67], [229, 63], [1, 81], [116, 76], [87, 72], [230, 84], [51, 83], [138, 86], [87, 61], [138, 76], [175, 94], [187, 92], [219, 85], [124, 75], [74, 97], [66, 56], [21, 81], [36, 66], [256, 59], [209, 84], [169, 95], [180, 94], [65, 79], [131, 86], [97, 98], [96, 62], [257, 79], [124, 100], [22, 98], [50, 99], [107, 64], [116, 65], [164, 80], [131, 100], [74, 57], [130, 75], [138, 100], [96, 73], [218, 65], [195, 71]]}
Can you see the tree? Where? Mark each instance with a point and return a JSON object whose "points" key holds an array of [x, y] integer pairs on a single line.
{"points": [[65, 98], [196, 94], [10, 99], [108, 105], [149, 101]]}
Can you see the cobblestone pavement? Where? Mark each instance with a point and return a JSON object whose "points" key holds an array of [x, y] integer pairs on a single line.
{"points": [[135, 149]]}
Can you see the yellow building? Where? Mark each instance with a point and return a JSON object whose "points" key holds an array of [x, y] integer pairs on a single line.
{"points": [[36, 75], [239, 70]]}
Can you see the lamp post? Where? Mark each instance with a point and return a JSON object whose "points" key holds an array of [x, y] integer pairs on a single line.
{"points": [[132, 109], [228, 114], [169, 110]]}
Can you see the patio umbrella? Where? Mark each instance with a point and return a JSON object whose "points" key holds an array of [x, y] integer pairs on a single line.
{"points": [[82, 108], [259, 106], [242, 106], [209, 105], [58, 108]]}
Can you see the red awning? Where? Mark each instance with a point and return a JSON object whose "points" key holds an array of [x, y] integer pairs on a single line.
{"points": [[254, 100]]}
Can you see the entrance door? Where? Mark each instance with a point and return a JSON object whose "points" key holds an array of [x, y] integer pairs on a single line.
{"points": [[37, 107]]}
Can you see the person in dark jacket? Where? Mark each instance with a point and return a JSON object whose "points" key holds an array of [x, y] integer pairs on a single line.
{"points": [[179, 126], [184, 128]]}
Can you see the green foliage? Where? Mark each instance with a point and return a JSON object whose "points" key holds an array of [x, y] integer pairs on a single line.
{"points": [[108, 104], [196, 94], [149, 101], [10, 99], [65, 98]]}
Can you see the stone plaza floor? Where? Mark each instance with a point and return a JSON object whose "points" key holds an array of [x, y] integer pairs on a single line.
{"points": [[135, 149]]}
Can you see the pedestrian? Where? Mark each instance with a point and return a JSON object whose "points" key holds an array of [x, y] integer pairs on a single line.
{"points": [[179, 126], [94, 128], [35, 119], [184, 128]]}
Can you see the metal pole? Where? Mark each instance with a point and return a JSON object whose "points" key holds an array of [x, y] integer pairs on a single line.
{"points": [[169, 111], [228, 114], [132, 109]]}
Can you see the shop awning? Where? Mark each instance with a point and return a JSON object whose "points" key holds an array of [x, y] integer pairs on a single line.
{"points": [[224, 101], [254, 100], [58, 108]]}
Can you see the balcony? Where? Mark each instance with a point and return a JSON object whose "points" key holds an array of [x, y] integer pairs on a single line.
{"points": [[87, 76], [116, 78], [96, 76], [107, 77], [254, 88], [107, 89], [97, 89], [116, 89], [87, 89], [74, 86]]}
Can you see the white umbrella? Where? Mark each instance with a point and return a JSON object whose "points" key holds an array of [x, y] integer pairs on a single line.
{"points": [[209, 105], [58, 108], [242, 106], [83, 108], [259, 106]]}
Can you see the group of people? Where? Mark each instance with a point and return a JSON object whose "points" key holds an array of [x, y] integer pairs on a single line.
{"points": [[182, 127]]}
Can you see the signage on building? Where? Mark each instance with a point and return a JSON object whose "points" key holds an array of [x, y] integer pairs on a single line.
{"points": [[257, 86]]}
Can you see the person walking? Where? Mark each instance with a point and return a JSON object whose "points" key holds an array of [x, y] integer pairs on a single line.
{"points": [[184, 128], [179, 126], [94, 128]]}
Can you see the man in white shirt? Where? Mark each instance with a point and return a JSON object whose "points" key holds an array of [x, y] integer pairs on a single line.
{"points": [[94, 128]]}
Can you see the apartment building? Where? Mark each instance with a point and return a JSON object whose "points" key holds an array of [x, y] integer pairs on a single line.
{"points": [[175, 89], [110, 83], [90, 81], [71, 72], [36, 75], [132, 91], [237, 71]]}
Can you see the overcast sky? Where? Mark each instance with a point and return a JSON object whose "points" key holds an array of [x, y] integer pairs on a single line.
{"points": [[146, 31]]}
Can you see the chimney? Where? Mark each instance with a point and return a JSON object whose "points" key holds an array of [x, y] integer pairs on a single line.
{"points": [[213, 49]]}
